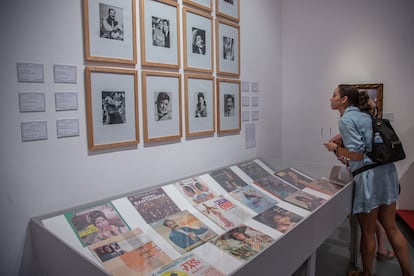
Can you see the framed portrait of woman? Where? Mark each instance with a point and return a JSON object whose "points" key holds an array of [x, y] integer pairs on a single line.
{"points": [[228, 105], [112, 107], [375, 93], [227, 48], [160, 35], [198, 41], [161, 103], [109, 31], [199, 105]]}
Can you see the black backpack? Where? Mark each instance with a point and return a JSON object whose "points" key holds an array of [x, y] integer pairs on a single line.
{"points": [[386, 146]]}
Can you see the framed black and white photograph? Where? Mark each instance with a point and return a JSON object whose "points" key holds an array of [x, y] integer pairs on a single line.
{"points": [[199, 105], [109, 31], [228, 9], [112, 107], [160, 35], [198, 41], [375, 92], [228, 48], [161, 104], [228, 105], [206, 5]]}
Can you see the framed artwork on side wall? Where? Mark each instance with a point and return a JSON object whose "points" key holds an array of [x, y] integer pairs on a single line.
{"points": [[375, 93], [228, 48], [206, 5], [112, 107], [109, 31], [228, 9]]}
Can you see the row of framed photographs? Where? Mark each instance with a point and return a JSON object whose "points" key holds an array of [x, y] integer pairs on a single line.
{"points": [[112, 106], [110, 35]]}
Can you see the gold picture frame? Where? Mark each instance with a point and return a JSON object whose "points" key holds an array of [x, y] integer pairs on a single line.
{"points": [[376, 92], [111, 107]]}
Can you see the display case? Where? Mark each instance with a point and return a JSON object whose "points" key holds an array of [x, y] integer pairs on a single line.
{"points": [[255, 216]]}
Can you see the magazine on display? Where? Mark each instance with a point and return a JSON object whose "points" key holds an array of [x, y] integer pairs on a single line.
{"points": [[97, 223], [131, 253], [223, 212], [188, 265], [253, 198], [228, 179], [275, 186], [195, 190], [253, 170], [294, 177], [279, 218], [243, 242], [183, 231], [154, 205], [305, 200], [325, 186]]}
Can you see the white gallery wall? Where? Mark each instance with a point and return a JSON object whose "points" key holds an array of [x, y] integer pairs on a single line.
{"points": [[328, 42], [41, 177], [296, 50]]}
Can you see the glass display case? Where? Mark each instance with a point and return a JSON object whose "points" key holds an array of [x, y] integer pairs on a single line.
{"points": [[249, 217]]}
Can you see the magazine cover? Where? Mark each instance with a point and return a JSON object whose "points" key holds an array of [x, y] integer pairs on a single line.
{"points": [[253, 170], [253, 198], [279, 218], [195, 190], [295, 177], [223, 212], [305, 200], [183, 231], [340, 175], [97, 223], [325, 186], [131, 253], [243, 242], [188, 265], [228, 179], [154, 205], [275, 186]]}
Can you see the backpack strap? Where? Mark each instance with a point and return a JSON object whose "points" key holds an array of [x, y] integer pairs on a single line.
{"points": [[365, 168]]}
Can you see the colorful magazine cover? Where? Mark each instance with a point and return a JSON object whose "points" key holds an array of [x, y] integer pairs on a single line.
{"points": [[223, 212], [97, 223], [154, 205], [253, 170], [305, 200], [253, 198], [275, 186], [131, 253], [294, 177], [188, 265], [279, 218], [243, 242], [195, 190], [183, 231], [228, 179]]}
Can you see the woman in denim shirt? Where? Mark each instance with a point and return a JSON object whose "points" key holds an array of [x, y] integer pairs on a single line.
{"points": [[376, 190]]}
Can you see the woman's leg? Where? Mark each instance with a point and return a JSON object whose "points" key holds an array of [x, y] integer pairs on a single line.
{"points": [[383, 253], [367, 222], [386, 215]]}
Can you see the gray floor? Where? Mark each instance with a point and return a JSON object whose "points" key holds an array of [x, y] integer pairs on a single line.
{"points": [[333, 256]]}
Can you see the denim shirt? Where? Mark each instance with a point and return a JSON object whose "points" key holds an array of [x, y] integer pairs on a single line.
{"points": [[356, 131]]}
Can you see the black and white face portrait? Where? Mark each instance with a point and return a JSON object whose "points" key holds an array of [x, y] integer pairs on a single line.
{"points": [[228, 48], [113, 107], [111, 22], [163, 106], [228, 105], [201, 105], [199, 41], [229, 1]]}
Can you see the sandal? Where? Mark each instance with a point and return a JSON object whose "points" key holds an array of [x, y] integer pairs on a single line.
{"points": [[354, 273], [383, 257]]}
